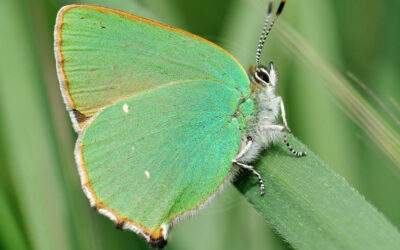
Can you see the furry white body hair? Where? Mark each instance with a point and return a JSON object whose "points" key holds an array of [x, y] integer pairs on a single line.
{"points": [[264, 130], [261, 133]]}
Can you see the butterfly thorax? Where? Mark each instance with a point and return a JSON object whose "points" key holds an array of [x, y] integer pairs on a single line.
{"points": [[268, 107]]}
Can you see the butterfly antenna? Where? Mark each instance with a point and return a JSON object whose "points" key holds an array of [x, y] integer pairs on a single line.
{"points": [[263, 32], [267, 28]]}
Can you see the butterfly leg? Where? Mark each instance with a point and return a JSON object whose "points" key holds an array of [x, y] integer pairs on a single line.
{"points": [[248, 167], [283, 131], [292, 150], [283, 114]]}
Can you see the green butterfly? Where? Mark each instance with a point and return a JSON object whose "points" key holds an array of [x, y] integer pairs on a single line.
{"points": [[163, 116]]}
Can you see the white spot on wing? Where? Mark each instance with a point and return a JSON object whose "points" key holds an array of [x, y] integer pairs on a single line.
{"points": [[125, 108], [147, 174]]}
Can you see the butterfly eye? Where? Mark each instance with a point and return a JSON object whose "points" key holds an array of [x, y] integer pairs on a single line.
{"points": [[262, 76]]}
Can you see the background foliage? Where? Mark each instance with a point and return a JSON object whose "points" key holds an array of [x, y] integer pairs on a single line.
{"points": [[41, 204]]}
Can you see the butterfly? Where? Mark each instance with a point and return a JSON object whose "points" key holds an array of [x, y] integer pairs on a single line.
{"points": [[164, 117]]}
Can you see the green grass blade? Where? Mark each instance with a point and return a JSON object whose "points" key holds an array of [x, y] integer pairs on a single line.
{"points": [[314, 208]]}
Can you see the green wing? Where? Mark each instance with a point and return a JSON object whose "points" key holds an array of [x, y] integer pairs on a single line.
{"points": [[151, 158], [157, 111], [104, 55]]}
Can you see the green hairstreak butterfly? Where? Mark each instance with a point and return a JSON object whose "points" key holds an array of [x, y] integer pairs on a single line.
{"points": [[163, 116]]}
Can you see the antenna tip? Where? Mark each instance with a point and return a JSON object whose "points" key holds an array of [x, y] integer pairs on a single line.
{"points": [[280, 8], [270, 5]]}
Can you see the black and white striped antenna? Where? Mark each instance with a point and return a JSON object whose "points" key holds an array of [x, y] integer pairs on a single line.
{"points": [[267, 28]]}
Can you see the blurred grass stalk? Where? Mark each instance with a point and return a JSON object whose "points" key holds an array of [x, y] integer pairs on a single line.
{"points": [[11, 235], [27, 133], [347, 98]]}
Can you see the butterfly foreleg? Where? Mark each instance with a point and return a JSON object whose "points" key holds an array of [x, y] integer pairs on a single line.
{"points": [[283, 114], [249, 167], [287, 129]]}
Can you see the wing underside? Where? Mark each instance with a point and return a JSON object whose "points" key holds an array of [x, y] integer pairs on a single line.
{"points": [[104, 55], [151, 158]]}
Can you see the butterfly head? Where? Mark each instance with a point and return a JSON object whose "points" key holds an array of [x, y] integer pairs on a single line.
{"points": [[266, 76]]}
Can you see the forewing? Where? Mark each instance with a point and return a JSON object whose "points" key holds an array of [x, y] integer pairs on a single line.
{"points": [[151, 158], [104, 55]]}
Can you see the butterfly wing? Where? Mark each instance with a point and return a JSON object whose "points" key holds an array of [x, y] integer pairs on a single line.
{"points": [[149, 159], [104, 55]]}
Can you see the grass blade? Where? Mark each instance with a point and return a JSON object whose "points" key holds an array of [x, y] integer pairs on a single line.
{"points": [[314, 208]]}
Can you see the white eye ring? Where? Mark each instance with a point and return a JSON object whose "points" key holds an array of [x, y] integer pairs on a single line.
{"points": [[260, 79]]}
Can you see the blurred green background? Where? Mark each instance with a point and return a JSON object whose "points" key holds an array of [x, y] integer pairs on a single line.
{"points": [[41, 203]]}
